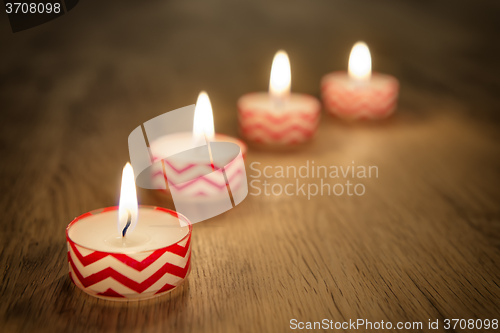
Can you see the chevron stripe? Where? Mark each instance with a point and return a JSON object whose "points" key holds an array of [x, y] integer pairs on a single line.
{"points": [[375, 101], [126, 291], [278, 119], [182, 176], [208, 179], [286, 129], [109, 272], [128, 260], [261, 137], [353, 97], [191, 174], [110, 293], [356, 107], [199, 172], [204, 179], [359, 105], [201, 191], [278, 134], [186, 167], [165, 288], [102, 288], [283, 128], [127, 270], [262, 134], [232, 170], [245, 119]]}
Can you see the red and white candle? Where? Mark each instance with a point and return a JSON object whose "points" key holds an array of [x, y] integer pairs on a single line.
{"points": [[278, 118], [181, 170], [196, 175], [359, 93], [129, 252]]}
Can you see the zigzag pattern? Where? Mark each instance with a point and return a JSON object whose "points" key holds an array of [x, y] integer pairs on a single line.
{"points": [[183, 168], [359, 106], [278, 119], [138, 287], [195, 179], [368, 103], [138, 275], [206, 180], [166, 277], [200, 180], [128, 260], [286, 129], [263, 132]]}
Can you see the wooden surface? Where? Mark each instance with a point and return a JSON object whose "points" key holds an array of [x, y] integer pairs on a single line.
{"points": [[422, 243]]}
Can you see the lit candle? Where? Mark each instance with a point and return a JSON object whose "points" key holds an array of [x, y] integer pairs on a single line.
{"points": [[129, 252], [192, 175], [278, 118], [359, 94]]}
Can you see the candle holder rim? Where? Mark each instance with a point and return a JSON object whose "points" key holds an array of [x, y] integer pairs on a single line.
{"points": [[113, 208], [254, 93], [346, 74], [243, 146]]}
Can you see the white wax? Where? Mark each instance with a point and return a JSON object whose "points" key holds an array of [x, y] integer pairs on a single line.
{"points": [[172, 144], [154, 230], [264, 102]]}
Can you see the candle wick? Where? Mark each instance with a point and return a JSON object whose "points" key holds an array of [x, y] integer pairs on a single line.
{"points": [[129, 221], [210, 153], [279, 101]]}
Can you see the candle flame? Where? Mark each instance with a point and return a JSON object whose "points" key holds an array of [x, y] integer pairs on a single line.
{"points": [[203, 123], [281, 76], [360, 62], [128, 201]]}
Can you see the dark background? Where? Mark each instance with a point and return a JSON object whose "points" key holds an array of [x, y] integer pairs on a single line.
{"points": [[423, 243]]}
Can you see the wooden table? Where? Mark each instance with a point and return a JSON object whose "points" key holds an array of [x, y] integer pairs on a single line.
{"points": [[422, 243]]}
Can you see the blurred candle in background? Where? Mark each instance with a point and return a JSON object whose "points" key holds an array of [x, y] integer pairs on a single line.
{"points": [[192, 166], [359, 94], [279, 117]]}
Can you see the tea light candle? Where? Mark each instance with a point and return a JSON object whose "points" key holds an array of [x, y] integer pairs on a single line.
{"points": [[199, 169], [278, 118], [180, 170], [129, 252], [359, 94]]}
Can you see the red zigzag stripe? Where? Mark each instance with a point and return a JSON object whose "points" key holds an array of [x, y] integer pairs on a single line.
{"points": [[184, 169], [110, 293], [277, 135], [135, 286], [205, 179], [190, 166], [278, 119], [131, 262]]}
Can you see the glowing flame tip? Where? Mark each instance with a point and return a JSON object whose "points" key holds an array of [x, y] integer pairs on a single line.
{"points": [[203, 123], [128, 200], [281, 76], [360, 62]]}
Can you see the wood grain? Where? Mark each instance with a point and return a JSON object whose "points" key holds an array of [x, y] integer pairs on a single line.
{"points": [[422, 243]]}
